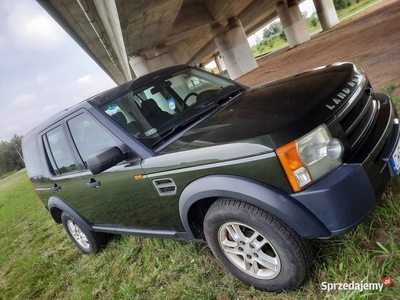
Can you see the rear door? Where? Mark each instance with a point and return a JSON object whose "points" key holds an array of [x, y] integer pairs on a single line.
{"points": [[61, 174]]}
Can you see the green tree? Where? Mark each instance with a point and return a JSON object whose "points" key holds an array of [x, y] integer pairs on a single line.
{"points": [[266, 33], [272, 29], [275, 27], [258, 40], [10, 159]]}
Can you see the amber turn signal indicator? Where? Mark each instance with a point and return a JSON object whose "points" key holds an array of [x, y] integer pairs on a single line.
{"points": [[293, 166]]}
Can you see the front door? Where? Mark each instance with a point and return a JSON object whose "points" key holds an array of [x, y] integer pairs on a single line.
{"points": [[117, 196]]}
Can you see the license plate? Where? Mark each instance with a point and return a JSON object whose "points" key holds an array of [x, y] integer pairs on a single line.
{"points": [[395, 159]]}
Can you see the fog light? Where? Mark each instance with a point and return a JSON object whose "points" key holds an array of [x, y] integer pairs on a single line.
{"points": [[302, 176]]}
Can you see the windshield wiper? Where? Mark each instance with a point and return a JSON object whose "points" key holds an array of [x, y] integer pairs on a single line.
{"points": [[220, 99], [218, 102], [186, 122]]}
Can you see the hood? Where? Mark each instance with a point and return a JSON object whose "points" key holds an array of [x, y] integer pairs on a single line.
{"points": [[278, 112]]}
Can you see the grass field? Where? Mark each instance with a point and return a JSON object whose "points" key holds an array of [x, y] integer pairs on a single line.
{"points": [[37, 261], [343, 13]]}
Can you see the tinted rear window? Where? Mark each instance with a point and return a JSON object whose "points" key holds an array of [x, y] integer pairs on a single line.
{"points": [[31, 156], [59, 153]]}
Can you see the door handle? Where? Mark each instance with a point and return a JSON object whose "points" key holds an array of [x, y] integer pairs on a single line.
{"points": [[56, 188], [93, 183]]}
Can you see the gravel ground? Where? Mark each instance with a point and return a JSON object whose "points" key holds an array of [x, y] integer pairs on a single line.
{"points": [[370, 39]]}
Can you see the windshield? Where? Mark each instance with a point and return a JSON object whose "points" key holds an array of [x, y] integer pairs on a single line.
{"points": [[154, 111]]}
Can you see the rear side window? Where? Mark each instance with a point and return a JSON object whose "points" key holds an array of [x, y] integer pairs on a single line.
{"points": [[31, 156], [59, 153], [89, 136]]}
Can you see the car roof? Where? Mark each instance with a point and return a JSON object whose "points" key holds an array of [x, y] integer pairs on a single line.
{"points": [[107, 95]]}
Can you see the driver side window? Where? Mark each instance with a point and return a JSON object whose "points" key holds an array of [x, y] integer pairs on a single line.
{"points": [[89, 136]]}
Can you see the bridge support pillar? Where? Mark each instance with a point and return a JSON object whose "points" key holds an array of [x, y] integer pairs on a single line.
{"points": [[139, 65], [220, 64], [326, 13], [292, 21], [234, 48], [142, 65]]}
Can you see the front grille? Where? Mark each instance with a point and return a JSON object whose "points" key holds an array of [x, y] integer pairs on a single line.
{"points": [[353, 123], [356, 120], [364, 124]]}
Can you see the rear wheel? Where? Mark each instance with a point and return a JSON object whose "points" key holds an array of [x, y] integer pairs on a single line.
{"points": [[255, 246], [87, 241]]}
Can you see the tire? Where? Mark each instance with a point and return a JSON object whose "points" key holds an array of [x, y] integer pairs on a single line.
{"points": [[87, 241], [256, 247]]}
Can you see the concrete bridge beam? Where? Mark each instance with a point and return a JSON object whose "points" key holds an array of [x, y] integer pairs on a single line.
{"points": [[107, 10]]}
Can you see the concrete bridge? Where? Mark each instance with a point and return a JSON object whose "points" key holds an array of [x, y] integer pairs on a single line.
{"points": [[129, 38]]}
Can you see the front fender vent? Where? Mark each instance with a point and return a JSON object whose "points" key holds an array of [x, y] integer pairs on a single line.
{"points": [[165, 186]]}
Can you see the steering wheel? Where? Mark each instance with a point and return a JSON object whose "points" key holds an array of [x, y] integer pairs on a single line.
{"points": [[188, 96]]}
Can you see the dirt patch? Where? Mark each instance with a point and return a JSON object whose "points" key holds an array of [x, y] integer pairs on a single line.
{"points": [[382, 236], [369, 39]]}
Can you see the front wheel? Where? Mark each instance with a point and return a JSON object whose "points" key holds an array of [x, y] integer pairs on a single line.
{"points": [[255, 246], [87, 241]]}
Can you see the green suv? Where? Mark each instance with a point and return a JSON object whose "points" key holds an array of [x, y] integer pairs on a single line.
{"points": [[254, 172]]}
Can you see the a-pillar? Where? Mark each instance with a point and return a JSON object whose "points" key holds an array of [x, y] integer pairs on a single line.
{"points": [[292, 21], [234, 48], [139, 65], [326, 13]]}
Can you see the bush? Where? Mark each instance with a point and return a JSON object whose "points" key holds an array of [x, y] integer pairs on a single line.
{"points": [[340, 4], [282, 36], [314, 21]]}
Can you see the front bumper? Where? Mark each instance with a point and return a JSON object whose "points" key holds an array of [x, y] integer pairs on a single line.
{"points": [[346, 196]]}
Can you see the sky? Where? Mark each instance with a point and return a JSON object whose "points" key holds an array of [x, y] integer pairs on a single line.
{"points": [[42, 70]]}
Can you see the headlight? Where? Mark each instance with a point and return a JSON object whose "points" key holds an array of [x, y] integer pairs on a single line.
{"points": [[310, 157]]}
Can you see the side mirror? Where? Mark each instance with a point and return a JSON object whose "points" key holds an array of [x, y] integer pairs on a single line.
{"points": [[105, 159]]}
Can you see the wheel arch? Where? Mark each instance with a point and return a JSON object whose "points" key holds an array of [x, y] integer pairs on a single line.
{"points": [[57, 206], [200, 194]]}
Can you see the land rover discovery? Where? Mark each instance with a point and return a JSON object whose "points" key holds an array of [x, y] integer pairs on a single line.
{"points": [[254, 172]]}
